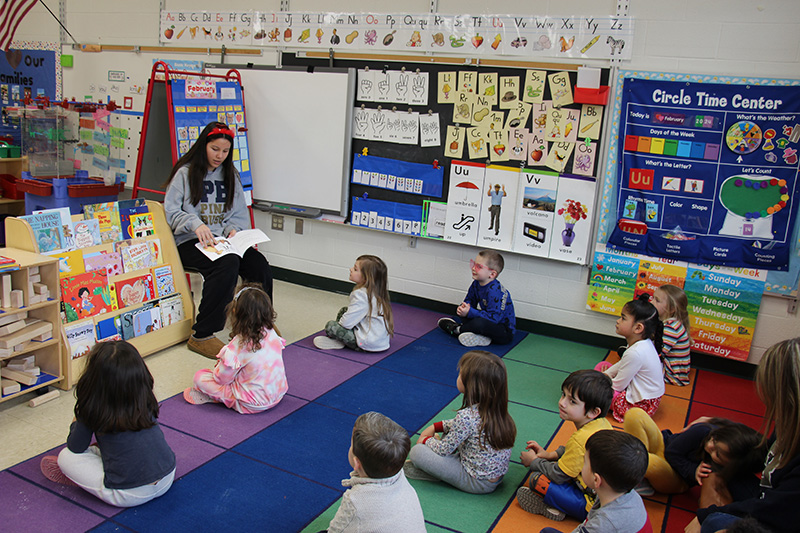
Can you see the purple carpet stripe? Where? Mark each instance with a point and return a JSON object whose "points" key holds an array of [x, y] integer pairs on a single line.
{"points": [[368, 358], [30, 470], [28, 507], [312, 373], [412, 321], [217, 424]]}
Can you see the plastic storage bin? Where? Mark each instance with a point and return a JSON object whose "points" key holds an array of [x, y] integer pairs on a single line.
{"points": [[9, 185], [73, 192], [9, 150]]}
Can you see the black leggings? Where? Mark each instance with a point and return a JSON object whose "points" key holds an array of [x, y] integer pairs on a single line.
{"points": [[219, 282]]}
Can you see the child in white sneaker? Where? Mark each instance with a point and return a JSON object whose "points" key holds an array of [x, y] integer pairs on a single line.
{"points": [[249, 376], [486, 315], [366, 323]]}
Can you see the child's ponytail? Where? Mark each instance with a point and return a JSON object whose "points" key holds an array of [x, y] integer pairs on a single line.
{"points": [[645, 313]]}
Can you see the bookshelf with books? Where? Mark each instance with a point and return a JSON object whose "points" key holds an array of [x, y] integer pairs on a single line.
{"points": [[118, 288], [30, 348]]}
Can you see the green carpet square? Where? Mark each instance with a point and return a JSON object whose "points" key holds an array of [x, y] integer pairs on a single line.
{"points": [[456, 510], [556, 353], [533, 385], [532, 424]]}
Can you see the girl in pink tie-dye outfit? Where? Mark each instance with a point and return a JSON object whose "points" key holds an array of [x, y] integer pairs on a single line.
{"points": [[249, 376]]}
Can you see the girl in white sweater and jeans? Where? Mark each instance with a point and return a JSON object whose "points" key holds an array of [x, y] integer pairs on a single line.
{"points": [[366, 323]]}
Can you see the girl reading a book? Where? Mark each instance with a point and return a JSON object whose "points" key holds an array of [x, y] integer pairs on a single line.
{"points": [[205, 200], [249, 376]]}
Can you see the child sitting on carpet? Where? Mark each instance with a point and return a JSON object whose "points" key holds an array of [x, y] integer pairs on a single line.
{"points": [[683, 460], [638, 377], [366, 323], [378, 495], [131, 463], [613, 464], [475, 448], [486, 315], [556, 488], [671, 303], [249, 376]]}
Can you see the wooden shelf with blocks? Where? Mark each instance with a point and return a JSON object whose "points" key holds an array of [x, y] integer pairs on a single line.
{"points": [[20, 235], [30, 347]]}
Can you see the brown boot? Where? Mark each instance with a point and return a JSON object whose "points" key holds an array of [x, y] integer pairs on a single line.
{"points": [[208, 347]]}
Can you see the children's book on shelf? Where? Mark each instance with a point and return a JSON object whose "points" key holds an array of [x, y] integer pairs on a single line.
{"points": [[146, 321], [86, 233], [47, 230], [67, 235], [109, 329], [125, 214], [155, 251], [134, 291], [81, 338], [238, 244], [70, 263], [111, 261], [142, 225], [86, 295], [107, 215], [136, 254], [7, 264], [171, 310], [131, 326], [163, 280]]}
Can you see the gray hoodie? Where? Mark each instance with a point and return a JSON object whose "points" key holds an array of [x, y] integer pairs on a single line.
{"points": [[184, 218]]}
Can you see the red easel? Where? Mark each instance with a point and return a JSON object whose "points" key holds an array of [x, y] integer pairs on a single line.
{"points": [[161, 78]]}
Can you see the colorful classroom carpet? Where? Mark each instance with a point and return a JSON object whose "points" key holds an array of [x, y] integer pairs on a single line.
{"points": [[281, 470]]}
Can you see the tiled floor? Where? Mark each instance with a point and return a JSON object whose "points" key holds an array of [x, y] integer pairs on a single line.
{"points": [[281, 470]]}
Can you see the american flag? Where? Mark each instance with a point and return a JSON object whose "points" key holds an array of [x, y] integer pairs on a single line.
{"points": [[11, 14]]}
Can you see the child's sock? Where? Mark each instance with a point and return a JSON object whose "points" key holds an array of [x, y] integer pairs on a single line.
{"points": [[196, 397], [52, 471], [411, 471], [326, 343], [534, 504], [473, 339]]}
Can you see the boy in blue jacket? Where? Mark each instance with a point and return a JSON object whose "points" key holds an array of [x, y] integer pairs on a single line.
{"points": [[486, 315]]}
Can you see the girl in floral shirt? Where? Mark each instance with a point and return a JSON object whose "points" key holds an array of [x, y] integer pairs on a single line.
{"points": [[249, 376], [475, 447]]}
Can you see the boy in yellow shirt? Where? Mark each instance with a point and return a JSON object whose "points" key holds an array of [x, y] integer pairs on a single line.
{"points": [[556, 487]]}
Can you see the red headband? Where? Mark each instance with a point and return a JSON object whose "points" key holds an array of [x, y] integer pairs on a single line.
{"points": [[222, 131]]}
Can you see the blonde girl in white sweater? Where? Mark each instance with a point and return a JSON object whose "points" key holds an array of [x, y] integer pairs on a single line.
{"points": [[366, 323]]}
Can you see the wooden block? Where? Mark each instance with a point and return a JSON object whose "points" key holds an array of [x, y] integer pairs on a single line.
{"points": [[12, 317], [8, 329], [43, 337], [21, 347], [33, 270], [6, 282], [39, 400], [40, 288], [26, 334], [28, 361], [34, 278], [10, 386], [16, 298], [21, 377], [6, 352], [34, 298]]}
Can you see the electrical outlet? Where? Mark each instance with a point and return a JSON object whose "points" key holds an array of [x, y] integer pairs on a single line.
{"points": [[298, 226], [277, 222]]}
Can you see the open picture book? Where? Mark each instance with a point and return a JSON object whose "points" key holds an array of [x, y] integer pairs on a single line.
{"points": [[238, 244]]}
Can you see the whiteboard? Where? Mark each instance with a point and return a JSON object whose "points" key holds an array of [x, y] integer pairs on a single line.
{"points": [[299, 135]]}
